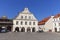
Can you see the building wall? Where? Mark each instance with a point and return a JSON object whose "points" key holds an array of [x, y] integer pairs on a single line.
{"points": [[23, 25], [41, 27], [27, 17], [49, 25], [57, 23]]}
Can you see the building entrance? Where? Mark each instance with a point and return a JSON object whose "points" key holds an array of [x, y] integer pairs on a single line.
{"points": [[17, 29], [22, 29], [28, 29], [55, 29], [33, 29]]}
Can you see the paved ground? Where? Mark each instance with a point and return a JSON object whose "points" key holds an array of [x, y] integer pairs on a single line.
{"points": [[29, 36]]}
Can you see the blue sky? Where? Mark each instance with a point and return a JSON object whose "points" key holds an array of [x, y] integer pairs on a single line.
{"points": [[40, 8]]}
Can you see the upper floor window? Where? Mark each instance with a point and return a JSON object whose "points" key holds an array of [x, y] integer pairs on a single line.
{"points": [[29, 23], [54, 19], [59, 18], [59, 24], [21, 22], [55, 24], [21, 17], [25, 17], [25, 23], [29, 17], [16, 22], [33, 23]]}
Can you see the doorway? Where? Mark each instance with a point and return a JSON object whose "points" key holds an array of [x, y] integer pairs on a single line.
{"points": [[22, 29], [33, 29], [17, 29], [55, 29], [28, 29]]}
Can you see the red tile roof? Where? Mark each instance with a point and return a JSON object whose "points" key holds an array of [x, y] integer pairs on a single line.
{"points": [[43, 21], [46, 19], [56, 16]]}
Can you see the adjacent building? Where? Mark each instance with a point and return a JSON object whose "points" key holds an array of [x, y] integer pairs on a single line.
{"points": [[6, 24], [56, 23], [47, 24], [25, 21], [50, 24]]}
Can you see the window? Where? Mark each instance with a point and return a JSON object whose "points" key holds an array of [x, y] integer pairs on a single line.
{"points": [[16, 22], [33, 23], [59, 29], [29, 23], [54, 19], [59, 24], [59, 18], [21, 17], [29, 17], [55, 24], [21, 22], [25, 23], [25, 17]]}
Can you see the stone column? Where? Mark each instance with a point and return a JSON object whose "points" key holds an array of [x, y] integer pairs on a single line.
{"points": [[13, 29], [57, 29], [25, 29], [20, 29], [31, 29], [53, 29]]}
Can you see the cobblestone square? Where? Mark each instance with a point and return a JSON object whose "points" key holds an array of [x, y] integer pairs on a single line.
{"points": [[29, 36]]}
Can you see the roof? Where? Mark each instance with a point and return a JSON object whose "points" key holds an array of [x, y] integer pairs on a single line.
{"points": [[44, 21], [56, 16], [3, 17], [25, 11]]}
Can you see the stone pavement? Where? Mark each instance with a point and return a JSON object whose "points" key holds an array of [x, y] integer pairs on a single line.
{"points": [[29, 36]]}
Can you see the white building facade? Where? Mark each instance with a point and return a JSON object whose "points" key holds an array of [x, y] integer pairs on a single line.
{"points": [[48, 27], [47, 24], [25, 22], [56, 23], [52, 24]]}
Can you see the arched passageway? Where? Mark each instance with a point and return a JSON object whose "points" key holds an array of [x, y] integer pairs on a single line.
{"points": [[17, 29], [33, 29], [50, 30], [28, 29], [22, 29], [55, 29]]}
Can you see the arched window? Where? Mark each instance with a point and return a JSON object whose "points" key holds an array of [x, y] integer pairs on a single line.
{"points": [[25, 23], [29, 23], [33, 23], [25, 17], [21, 23], [16, 22], [21, 17], [29, 17]]}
